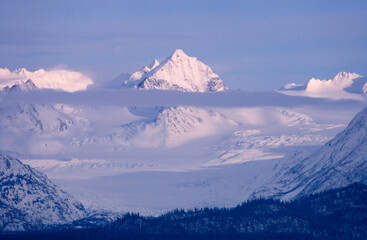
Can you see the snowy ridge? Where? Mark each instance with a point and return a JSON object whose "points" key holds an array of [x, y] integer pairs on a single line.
{"points": [[139, 75], [22, 86], [252, 145], [177, 72], [85, 168], [29, 200], [292, 118], [38, 128], [41, 119], [173, 126], [343, 86], [340, 162]]}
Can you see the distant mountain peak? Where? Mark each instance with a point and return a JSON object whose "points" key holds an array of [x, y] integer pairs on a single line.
{"points": [[346, 75], [177, 72], [22, 86], [343, 86], [178, 53]]}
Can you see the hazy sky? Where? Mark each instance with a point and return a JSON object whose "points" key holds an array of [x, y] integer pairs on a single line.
{"points": [[252, 45]]}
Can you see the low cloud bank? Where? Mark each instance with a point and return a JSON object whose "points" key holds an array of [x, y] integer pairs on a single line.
{"points": [[343, 86], [134, 97]]}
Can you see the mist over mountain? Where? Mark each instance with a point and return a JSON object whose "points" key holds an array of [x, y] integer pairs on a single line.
{"points": [[64, 80], [343, 86], [172, 135]]}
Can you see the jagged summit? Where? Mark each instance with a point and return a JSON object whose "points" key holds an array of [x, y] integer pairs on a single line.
{"points": [[346, 75], [22, 86], [177, 72], [136, 76], [178, 53], [154, 64]]}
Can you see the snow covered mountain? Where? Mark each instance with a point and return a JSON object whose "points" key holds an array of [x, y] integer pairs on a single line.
{"points": [[64, 80], [177, 72], [31, 128], [340, 162], [169, 127], [172, 126], [22, 86], [29, 200], [343, 86]]}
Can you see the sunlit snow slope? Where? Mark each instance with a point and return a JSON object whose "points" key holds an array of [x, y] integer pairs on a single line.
{"points": [[177, 72]]}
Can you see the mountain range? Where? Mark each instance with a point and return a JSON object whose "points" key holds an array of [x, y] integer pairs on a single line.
{"points": [[72, 141]]}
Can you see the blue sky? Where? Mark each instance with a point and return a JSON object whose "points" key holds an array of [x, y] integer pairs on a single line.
{"points": [[252, 45]]}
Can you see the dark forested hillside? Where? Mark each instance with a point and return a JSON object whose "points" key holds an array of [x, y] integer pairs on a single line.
{"points": [[334, 214]]}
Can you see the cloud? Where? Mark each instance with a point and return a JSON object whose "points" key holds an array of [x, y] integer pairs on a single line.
{"points": [[343, 86], [58, 79], [141, 98]]}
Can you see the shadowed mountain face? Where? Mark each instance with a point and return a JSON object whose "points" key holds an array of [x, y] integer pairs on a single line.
{"points": [[341, 161], [29, 200]]}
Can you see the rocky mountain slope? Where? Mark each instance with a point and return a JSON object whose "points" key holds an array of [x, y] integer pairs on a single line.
{"points": [[341, 161], [29, 200]]}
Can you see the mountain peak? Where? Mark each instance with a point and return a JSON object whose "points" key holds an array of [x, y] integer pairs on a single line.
{"points": [[177, 72], [178, 53], [345, 77], [22, 86], [154, 64]]}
